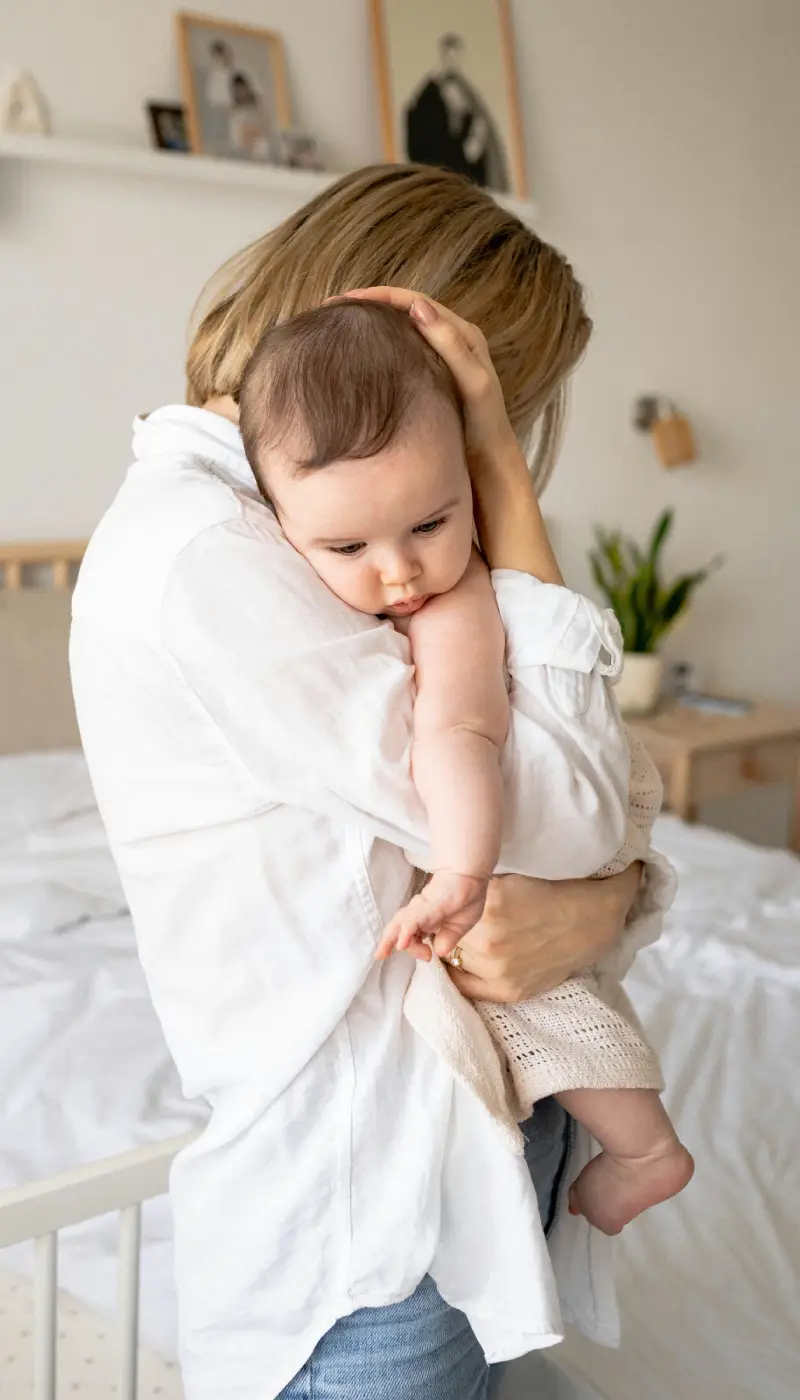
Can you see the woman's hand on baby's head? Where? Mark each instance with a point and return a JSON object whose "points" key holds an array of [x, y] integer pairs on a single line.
{"points": [[491, 443], [445, 911]]}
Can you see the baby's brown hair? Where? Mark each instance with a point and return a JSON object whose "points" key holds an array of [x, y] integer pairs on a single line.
{"points": [[340, 381]]}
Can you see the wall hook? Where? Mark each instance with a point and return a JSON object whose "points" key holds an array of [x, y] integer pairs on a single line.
{"points": [[670, 430]]}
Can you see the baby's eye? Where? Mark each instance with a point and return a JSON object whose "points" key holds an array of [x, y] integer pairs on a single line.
{"points": [[348, 550], [430, 527]]}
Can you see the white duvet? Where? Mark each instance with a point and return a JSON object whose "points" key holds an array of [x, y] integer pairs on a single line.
{"points": [[84, 1072], [709, 1283]]}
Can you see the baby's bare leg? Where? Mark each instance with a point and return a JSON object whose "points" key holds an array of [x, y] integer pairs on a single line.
{"points": [[642, 1162]]}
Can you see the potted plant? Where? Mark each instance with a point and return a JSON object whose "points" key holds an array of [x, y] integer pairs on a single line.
{"points": [[646, 607]]}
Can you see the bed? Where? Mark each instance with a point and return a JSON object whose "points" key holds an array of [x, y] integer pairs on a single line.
{"points": [[92, 1111], [708, 1283], [85, 1079]]}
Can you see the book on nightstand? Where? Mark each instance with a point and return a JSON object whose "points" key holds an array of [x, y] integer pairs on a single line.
{"points": [[714, 704]]}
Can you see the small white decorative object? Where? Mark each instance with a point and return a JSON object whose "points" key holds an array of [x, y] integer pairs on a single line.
{"points": [[639, 687], [23, 108], [298, 151]]}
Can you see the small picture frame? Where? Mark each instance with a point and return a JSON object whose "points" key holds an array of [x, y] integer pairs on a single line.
{"points": [[234, 84], [447, 87], [298, 151], [168, 126]]}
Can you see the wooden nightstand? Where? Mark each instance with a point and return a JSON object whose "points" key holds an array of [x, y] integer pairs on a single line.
{"points": [[702, 756]]}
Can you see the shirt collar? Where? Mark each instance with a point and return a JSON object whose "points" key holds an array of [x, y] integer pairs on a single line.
{"points": [[181, 428]]}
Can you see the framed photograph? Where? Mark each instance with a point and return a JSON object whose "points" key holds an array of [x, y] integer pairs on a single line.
{"points": [[447, 86], [168, 126], [298, 151], [233, 78]]}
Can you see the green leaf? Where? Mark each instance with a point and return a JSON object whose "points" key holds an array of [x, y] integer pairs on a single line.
{"points": [[643, 600], [662, 529], [676, 600], [628, 577], [599, 577], [613, 552], [635, 558], [628, 619], [678, 597]]}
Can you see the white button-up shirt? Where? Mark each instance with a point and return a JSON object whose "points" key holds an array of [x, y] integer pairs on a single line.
{"points": [[248, 736]]}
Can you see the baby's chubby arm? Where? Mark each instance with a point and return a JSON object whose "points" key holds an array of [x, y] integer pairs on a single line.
{"points": [[460, 723]]}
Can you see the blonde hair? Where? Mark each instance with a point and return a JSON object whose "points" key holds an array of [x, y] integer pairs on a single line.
{"points": [[408, 226]]}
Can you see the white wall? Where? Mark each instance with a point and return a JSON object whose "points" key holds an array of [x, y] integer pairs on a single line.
{"points": [[664, 149], [662, 153], [99, 272]]}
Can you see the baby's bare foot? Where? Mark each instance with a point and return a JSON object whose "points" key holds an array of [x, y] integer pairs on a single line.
{"points": [[611, 1191]]}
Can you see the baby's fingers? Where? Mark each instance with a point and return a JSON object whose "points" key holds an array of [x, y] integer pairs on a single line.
{"points": [[399, 932], [409, 926], [404, 938], [420, 950], [388, 942], [445, 943]]}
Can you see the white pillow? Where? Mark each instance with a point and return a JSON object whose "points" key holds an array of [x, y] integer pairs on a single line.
{"points": [[37, 789], [56, 869]]}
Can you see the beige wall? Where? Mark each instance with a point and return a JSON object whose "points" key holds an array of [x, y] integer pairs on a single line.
{"points": [[663, 144], [662, 141]]}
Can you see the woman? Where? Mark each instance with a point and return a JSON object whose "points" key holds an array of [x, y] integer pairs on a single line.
{"points": [[248, 738]]}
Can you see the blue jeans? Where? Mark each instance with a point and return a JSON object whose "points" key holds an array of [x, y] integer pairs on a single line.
{"points": [[422, 1349]]}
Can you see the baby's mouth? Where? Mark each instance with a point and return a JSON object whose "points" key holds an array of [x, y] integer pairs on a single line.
{"points": [[407, 605]]}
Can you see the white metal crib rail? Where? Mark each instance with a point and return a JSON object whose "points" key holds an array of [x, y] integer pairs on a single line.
{"points": [[38, 1211]]}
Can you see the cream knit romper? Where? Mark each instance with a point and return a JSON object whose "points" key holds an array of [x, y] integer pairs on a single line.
{"points": [[582, 1035]]}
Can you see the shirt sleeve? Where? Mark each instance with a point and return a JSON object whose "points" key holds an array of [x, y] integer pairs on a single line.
{"points": [[316, 700]]}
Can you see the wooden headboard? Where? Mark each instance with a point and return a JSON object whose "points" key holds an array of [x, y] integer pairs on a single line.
{"points": [[36, 581]]}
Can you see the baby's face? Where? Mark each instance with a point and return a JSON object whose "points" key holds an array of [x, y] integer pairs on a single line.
{"points": [[385, 533]]}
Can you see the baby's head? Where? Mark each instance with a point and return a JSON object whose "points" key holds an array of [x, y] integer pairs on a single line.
{"points": [[353, 426]]}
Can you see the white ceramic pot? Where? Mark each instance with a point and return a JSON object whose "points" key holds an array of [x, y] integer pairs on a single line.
{"points": [[639, 686]]}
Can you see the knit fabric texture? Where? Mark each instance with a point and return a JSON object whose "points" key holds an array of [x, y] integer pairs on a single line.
{"points": [[582, 1035]]}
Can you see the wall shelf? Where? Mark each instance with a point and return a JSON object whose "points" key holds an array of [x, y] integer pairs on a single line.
{"points": [[170, 165]]}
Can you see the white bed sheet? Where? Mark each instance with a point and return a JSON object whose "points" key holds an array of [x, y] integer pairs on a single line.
{"points": [[84, 1072], [709, 1283]]}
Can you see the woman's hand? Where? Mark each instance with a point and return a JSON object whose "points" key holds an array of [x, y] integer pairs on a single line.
{"points": [[534, 934], [507, 514], [490, 438]]}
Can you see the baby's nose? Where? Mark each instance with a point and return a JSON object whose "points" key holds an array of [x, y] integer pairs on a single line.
{"points": [[398, 568]]}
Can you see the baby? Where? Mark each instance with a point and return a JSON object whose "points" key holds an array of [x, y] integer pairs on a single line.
{"points": [[353, 426]]}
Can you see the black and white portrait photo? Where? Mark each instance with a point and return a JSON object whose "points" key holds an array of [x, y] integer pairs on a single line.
{"points": [[447, 84], [448, 123]]}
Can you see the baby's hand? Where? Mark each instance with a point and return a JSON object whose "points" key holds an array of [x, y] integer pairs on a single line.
{"points": [[449, 906]]}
